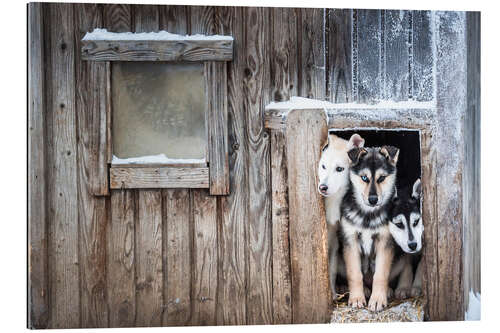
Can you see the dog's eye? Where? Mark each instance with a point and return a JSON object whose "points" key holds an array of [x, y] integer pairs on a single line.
{"points": [[400, 225], [365, 179], [323, 166], [339, 169], [381, 179], [416, 222]]}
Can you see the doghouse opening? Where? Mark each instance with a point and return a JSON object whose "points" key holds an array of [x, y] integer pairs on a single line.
{"points": [[408, 171]]}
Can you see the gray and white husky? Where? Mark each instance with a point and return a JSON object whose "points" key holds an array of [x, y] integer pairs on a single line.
{"points": [[407, 228], [333, 174]]}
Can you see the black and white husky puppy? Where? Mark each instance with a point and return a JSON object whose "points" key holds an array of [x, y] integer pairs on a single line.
{"points": [[364, 223], [407, 228]]}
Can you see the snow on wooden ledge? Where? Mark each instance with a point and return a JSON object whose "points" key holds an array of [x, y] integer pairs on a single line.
{"points": [[102, 45], [154, 159]]}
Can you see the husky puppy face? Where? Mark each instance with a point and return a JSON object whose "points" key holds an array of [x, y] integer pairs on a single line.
{"points": [[406, 225], [373, 176], [333, 168]]}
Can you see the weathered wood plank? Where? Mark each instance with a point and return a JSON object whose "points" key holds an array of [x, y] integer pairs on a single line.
{"points": [[205, 259], [368, 55], [63, 261], [158, 177], [423, 57], [216, 75], [284, 76], [146, 18], [157, 50], [339, 59], [177, 262], [311, 295], [257, 94], [91, 112], [174, 19], [282, 284], [117, 17], [397, 43], [120, 263], [201, 20], [38, 307], [472, 155], [231, 293], [312, 74], [149, 269]]}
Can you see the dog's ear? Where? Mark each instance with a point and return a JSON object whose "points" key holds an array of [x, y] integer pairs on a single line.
{"points": [[355, 154], [356, 141], [390, 153], [325, 144], [417, 189]]}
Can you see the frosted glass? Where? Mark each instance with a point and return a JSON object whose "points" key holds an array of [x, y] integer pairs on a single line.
{"points": [[158, 108]]}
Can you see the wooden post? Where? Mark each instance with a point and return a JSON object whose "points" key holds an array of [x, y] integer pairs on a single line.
{"points": [[311, 295]]}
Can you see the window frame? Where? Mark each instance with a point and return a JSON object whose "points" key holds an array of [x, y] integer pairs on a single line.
{"points": [[213, 52]]}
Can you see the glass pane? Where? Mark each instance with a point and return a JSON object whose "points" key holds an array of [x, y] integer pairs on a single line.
{"points": [[158, 108]]}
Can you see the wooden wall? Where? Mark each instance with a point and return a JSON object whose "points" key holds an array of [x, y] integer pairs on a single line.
{"points": [[181, 256]]}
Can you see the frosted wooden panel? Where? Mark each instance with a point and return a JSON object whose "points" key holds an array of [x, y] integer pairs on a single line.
{"points": [[158, 108]]}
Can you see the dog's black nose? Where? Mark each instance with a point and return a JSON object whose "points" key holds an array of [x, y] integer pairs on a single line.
{"points": [[412, 246], [323, 188], [372, 199]]}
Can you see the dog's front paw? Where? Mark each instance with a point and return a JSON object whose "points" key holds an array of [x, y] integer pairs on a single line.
{"points": [[402, 293], [357, 299], [416, 291], [367, 291], [390, 293], [378, 300]]}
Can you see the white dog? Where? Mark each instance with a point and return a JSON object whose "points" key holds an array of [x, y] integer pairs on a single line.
{"points": [[333, 174]]}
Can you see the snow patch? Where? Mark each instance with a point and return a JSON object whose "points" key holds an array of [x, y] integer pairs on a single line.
{"points": [[103, 34], [155, 159], [474, 309], [296, 102]]}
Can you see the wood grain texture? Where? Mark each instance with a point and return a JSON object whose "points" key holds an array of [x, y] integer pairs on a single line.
{"points": [[472, 162], [149, 263], [158, 177], [63, 258], [312, 79], [282, 284], [423, 57], [146, 18], [120, 263], [151, 50], [174, 19], [216, 75], [284, 74], [118, 18], [177, 261], [256, 85], [91, 112], [311, 295], [38, 307], [231, 289], [339, 59], [205, 259]]}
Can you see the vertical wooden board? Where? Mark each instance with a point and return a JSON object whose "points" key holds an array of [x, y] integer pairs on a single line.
{"points": [[282, 284], [338, 56], [146, 18], [62, 175], [311, 295], [283, 53], [423, 57], [368, 55], [92, 172], [201, 20], [38, 306], [177, 262], [472, 168], [233, 209], [121, 289], [451, 99], [204, 272], [397, 45], [257, 90], [118, 18], [311, 35], [148, 252], [174, 19]]}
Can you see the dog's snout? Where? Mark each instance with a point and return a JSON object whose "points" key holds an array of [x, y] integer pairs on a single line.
{"points": [[373, 199], [323, 188], [412, 245]]}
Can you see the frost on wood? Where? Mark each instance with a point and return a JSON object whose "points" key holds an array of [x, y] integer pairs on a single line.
{"points": [[103, 34], [155, 159]]}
